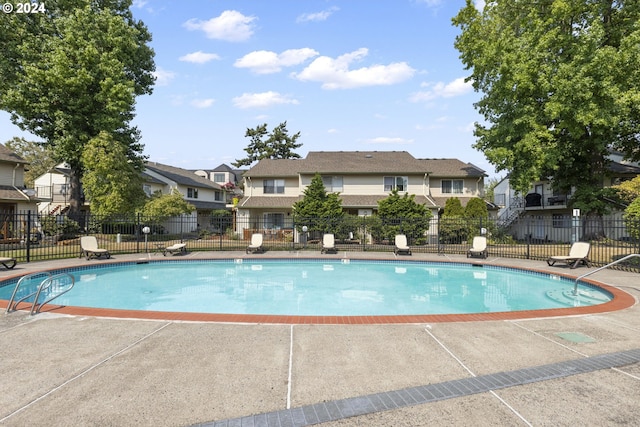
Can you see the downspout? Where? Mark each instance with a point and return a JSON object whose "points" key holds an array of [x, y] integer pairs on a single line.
{"points": [[248, 180], [13, 183], [426, 187]]}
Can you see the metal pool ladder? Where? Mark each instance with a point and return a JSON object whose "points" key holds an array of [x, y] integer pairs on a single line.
{"points": [[575, 288], [53, 283]]}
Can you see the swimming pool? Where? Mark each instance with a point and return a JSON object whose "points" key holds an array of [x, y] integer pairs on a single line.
{"points": [[321, 288]]}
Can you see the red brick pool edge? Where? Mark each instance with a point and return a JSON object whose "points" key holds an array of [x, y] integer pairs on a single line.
{"points": [[621, 300]]}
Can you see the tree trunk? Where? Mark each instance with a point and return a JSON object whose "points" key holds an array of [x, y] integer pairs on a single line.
{"points": [[75, 197], [593, 227]]}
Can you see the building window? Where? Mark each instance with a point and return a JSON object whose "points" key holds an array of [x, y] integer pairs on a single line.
{"points": [[561, 221], [147, 189], [452, 186], [273, 186], [218, 196], [273, 220], [399, 183], [192, 193], [333, 184], [219, 177]]}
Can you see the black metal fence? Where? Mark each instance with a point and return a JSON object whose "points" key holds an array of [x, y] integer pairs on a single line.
{"points": [[33, 237]]}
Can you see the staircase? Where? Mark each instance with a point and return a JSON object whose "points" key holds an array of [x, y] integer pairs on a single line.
{"points": [[511, 213]]}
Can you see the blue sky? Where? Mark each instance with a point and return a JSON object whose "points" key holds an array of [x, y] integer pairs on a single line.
{"points": [[348, 74]]}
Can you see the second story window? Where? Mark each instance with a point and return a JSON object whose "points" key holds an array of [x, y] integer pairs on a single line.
{"points": [[147, 189], [192, 193], [218, 196], [219, 177], [273, 186], [399, 183], [333, 184], [452, 186]]}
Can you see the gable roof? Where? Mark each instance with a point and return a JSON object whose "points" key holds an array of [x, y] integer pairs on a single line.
{"points": [[451, 168], [181, 176], [363, 162], [7, 155]]}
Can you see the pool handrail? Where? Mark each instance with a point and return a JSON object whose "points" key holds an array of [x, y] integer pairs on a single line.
{"points": [[46, 283], [15, 290], [575, 288]]}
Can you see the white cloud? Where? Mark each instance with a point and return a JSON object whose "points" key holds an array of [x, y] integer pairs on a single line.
{"points": [[335, 73], [431, 3], [262, 100], [479, 4], [139, 3], [333, 130], [203, 103], [231, 26], [317, 16], [388, 140], [442, 90], [199, 57], [163, 77], [267, 62]]}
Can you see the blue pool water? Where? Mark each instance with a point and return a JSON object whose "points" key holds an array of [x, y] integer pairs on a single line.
{"points": [[325, 288]]}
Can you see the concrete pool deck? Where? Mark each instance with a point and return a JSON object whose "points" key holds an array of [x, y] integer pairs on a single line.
{"points": [[63, 369]]}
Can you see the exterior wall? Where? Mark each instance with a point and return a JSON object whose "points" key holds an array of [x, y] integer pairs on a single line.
{"points": [[7, 171], [471, 187], [255, 187], [185, 224], [369, 184]]}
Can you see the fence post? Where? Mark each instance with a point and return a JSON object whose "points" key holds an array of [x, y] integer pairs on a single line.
{"points": [[364, 233], [28, 235], [138, 233], [528, 237]]}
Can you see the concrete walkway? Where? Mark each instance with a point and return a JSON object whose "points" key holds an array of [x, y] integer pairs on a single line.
{"points": [[88, 371]]}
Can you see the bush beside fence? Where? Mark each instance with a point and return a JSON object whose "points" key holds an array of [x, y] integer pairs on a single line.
{"points": [[57, 236]]}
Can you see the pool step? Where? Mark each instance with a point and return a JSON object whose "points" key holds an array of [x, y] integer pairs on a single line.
{"points": [[584, 297]]}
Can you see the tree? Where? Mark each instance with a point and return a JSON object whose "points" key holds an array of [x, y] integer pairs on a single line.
{"points": [[75, 71], [452, 225], [628, 191], [477, 216], [112, 184], [476, 208], [632, 218], [560, 84], [162, 206], [402, 215], [277, 145], [38, 155], [318, 210]]}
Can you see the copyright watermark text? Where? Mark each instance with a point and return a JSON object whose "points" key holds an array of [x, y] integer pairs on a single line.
{"points": [[26, 7]]}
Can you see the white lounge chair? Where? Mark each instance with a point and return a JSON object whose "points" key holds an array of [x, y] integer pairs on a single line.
{"points": [[578, 254], [256, 243], [6, 261], [89, 248], [175, 249], [401, 245], [478, 248], [328, 244]]}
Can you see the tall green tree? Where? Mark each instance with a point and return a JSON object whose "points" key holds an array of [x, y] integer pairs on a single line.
{"points": [[452, 225], [38, 155], [560, 85], [162, 206], [318, 210], [112, 184], [402, 215], [74, 71], [275, 145]]}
